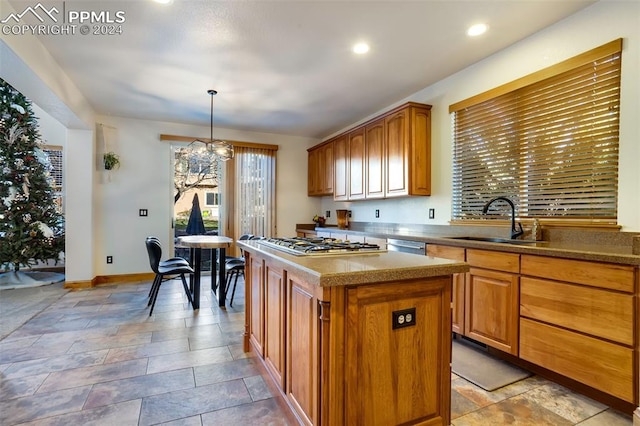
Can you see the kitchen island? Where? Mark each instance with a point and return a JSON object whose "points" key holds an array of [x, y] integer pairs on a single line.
{"points": [[353, 338]]}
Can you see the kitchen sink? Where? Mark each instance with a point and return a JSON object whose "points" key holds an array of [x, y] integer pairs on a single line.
{"points": [[498, 240]]}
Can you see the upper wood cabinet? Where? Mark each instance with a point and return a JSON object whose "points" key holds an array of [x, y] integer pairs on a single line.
{"points": [[408, 151], [356, 164], [375, 159], [320, 170], [388, 156], [340, 167]]}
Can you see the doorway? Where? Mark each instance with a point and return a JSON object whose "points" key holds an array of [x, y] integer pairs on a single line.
{"points": [[197, 185]]}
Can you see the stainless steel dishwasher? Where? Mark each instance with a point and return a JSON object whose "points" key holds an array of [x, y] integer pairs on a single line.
{"points": [[407, 246]]}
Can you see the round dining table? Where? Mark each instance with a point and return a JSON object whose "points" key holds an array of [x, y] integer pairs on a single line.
{"points": [[214, 242]]}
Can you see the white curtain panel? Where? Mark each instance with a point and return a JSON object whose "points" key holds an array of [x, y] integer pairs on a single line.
{"points": [[255, 196]]}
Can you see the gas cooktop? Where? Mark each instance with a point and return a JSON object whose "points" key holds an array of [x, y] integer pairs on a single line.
{"points": [[316, 246]]}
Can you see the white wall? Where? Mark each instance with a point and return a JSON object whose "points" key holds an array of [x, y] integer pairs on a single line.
{"points": [[599, 24]]}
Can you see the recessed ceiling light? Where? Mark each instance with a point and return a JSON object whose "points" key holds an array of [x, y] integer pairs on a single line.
{"points": [[477, 29], [163, 1], [360, 48]]}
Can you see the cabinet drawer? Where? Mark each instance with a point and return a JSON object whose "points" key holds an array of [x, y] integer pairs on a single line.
{"points": [[507, 262], [445, 252], [605, 275], [593, 311], [602, 365]]}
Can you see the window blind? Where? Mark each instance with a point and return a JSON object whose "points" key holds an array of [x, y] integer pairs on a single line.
{"points": [[255, 192], [550, 145], [54, 154]]}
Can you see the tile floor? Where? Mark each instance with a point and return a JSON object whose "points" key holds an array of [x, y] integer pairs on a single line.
{"points": [[95, 357]]}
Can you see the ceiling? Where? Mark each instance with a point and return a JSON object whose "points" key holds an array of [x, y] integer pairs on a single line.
{"points": [[282, 66]]}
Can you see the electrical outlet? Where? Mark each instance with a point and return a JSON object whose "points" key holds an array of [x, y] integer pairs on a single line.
{"points": [[377, 213], [403, 318], [327, 213], [349, 213], [109, 259], [432, 213], [143, 212]]}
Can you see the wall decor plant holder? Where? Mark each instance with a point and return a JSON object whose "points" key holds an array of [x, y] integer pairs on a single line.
{"points": [[111, 161]]}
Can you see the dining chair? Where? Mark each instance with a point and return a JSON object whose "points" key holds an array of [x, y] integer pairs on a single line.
{"points": [[235, 268], [164, 273], [171, 261]]}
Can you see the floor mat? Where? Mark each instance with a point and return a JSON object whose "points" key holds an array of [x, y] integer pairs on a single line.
{"points": [[482, 369]]}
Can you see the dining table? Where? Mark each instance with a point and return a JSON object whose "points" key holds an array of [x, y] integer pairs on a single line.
{"points": [[215, 242]]}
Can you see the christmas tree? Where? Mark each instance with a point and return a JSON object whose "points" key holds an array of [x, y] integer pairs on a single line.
{"points": [[31, 229]]}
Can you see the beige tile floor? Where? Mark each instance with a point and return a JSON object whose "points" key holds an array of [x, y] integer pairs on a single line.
{"points": [[95, 357]]}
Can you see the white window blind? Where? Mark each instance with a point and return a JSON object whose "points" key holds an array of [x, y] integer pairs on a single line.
{"points": [[54, 153], [255, 191], [549, 142]]}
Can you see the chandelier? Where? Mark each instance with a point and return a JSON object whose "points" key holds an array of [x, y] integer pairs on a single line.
{"points": [[216, 147]]}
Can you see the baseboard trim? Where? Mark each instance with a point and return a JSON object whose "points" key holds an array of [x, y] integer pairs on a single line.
{"points": [[109, 279], [78, 284]]}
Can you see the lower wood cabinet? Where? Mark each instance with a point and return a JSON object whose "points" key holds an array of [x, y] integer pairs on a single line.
{"points": [[579, 319], [254, 280], [274, 322], [602, 365], [457, 288], [491, 309], [336, 355], [302, 387], [492, 299], [390, 377]]}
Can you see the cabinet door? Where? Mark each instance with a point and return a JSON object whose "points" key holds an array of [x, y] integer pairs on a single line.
{"points": [[374, 154], [356, 165], [340, 162], [457, 289], [326, 169], [302, 350], [408, 366], [397, 153], [312, 172], [256, 304], [420, 155], [597, 363], [320, 170], [274, 311], [491, 308]]}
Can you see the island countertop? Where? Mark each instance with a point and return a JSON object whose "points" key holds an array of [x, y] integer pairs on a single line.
{"points": [[355, 269]]}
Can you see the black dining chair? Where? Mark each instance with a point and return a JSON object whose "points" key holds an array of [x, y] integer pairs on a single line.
{"points": [[164, 273], [235, 268], [171, 261]]}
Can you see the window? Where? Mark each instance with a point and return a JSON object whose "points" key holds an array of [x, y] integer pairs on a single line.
{"points": [[254, 191], [548, 141], [211, 199], [55, 174]]}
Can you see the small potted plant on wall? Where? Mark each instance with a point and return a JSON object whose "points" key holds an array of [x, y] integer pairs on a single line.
{"points": [[111, 161]]}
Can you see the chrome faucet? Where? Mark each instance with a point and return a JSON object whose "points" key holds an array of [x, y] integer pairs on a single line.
{"points": [[515, 232]]}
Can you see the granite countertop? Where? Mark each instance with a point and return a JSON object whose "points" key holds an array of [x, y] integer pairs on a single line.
{"points": [[354, 269], [602, 247]]}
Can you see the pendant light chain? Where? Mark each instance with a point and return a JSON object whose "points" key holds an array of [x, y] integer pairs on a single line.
{"points": [[212, 93], [223, 150]]}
